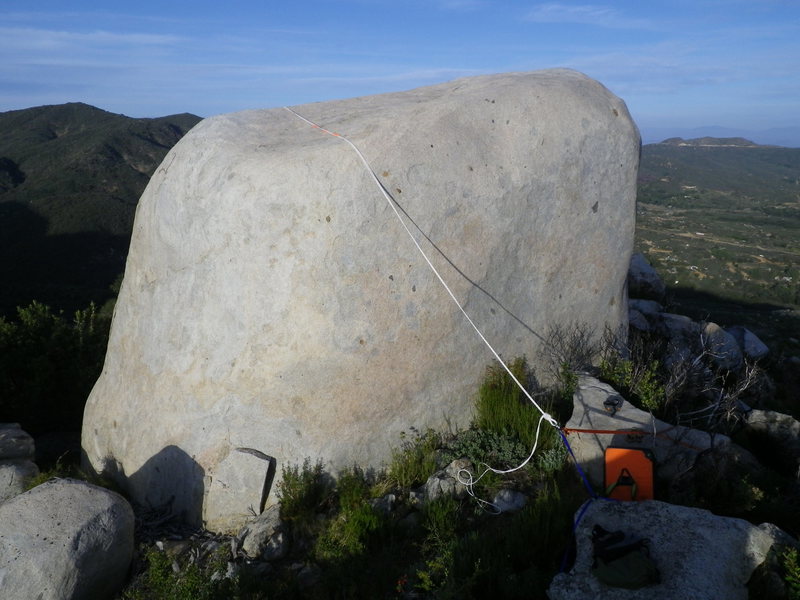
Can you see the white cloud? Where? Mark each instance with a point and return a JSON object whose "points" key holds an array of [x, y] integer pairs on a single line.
{"points": [[22, 39], [586, 14], [461, 4], [379, 75]]}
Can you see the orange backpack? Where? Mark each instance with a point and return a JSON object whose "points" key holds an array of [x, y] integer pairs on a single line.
{"points": [[629, 474]]}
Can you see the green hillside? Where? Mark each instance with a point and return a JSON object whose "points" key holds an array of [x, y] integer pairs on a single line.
{"points": [[720, 220], [713, 172], [70, 178]]}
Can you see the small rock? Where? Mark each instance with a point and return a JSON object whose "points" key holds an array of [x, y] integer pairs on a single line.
{"points": [[264, 537], [174, 548], [510, 500], [678, 328], [643, 281], [410, 522], [749, 343], [308, 576], [446, 483], [15, 443], [416, 498], [384, 505], [649, 308], [722, 346], [637, 320], [781, 432]]}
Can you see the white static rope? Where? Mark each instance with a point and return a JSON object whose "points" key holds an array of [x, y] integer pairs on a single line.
{"points": [[390, 200]]}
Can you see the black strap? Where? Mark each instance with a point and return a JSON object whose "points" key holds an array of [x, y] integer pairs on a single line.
{"points": [[625, 478]]}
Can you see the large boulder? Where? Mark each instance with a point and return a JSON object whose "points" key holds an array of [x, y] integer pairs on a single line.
{"points": [[65, 539], [272, 301], [700, 556]]}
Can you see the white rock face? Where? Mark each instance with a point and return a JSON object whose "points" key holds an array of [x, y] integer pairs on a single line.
{"points": [[65, 539], [272, 301]]}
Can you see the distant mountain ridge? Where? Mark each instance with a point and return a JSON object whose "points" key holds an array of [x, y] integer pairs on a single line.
{"points": [[70, 178], [722, 166], [712, 142], [788, 137]]}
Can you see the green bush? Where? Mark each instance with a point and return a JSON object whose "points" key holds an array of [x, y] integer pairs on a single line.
{"points": [[641, 381], [48, 365], [482, 446]]}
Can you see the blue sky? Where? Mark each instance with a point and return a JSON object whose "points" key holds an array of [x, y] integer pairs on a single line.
{"points": [[680, 64]]}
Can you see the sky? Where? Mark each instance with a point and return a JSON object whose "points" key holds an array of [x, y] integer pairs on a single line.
{"points": [[678, 65]]}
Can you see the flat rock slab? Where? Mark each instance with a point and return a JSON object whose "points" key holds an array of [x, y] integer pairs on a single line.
{"points": [[700, 556], [65, 540], [273, 301], [674, 447]]}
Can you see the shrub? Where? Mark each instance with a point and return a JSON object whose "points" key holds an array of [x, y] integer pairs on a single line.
{"points": [[572, 348], [415, 460], [60, 470], [641, 381], [160, 581], [347, 533], [790, 561], [482, 446], [302, 492], [439, 520], [48, 365], [502, 408], [511, 556]]}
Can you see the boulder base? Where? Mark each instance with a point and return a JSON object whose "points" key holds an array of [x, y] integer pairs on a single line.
{"points": [[272, 301]]}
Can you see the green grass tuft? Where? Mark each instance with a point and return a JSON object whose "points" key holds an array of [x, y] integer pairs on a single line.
{"points": [[415, 460], [502, 408]]}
